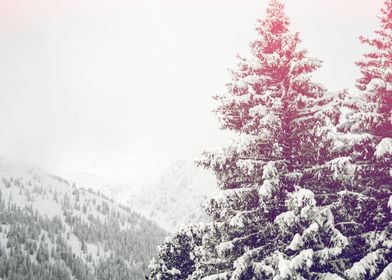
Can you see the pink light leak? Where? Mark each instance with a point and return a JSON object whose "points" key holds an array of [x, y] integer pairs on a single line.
{"points": [[16, 14]]}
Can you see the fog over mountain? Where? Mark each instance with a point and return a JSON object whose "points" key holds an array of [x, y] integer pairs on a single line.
{"points": [[122, 89]]}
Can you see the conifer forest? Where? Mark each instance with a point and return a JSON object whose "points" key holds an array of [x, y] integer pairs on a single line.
{"points": [[306, 185]]}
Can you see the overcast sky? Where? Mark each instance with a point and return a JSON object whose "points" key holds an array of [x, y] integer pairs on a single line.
{"points": [[123, 88]]}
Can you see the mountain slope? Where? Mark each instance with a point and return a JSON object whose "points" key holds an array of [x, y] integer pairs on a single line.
{"points": [[50, 229], [114, 189], [177, 197]]}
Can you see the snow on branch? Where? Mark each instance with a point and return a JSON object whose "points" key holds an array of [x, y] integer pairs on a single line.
{"points": [[384, 148]]}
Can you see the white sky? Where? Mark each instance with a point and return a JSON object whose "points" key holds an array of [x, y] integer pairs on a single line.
{"points": [[123, 88]]}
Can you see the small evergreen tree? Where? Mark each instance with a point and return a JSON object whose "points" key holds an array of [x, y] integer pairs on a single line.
{"points": [[176, 256]]}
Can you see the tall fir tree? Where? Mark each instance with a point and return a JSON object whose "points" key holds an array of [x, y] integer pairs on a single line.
{"points": [[363, 208], [284, 122]]}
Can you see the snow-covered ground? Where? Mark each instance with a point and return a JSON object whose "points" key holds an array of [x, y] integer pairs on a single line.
{"points": [[93, 226], [176, 198]]}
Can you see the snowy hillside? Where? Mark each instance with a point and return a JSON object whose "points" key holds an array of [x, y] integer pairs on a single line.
{"points": [[177, 197], [116, 190], [52, 230]]}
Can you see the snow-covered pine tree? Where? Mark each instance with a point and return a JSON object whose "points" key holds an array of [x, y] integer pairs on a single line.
{"points": [[363, 208], [314, 252], [283, 121], [176, 256], [264, 226]]}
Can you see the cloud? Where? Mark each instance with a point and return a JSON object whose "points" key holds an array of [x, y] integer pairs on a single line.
{"points": [[104, 85]]}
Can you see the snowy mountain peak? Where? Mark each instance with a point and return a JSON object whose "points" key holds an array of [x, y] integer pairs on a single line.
{"points": [[177, 196]]}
